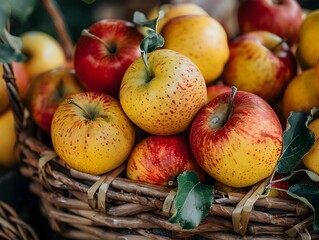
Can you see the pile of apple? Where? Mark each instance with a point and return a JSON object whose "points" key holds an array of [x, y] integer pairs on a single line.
{"points": [[202, 101]]}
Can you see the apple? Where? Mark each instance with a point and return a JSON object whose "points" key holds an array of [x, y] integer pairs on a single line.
{"points": [[206, 44], [47, 91], [260, 62], [91, 133], [310, 159], [216, 89], [8, 157], [22, 81], [282, 18], [308, 47], [104, 52], [237, 138], [160, 159], [43, 52], [164, 97], [172, 10], [302, 93]]}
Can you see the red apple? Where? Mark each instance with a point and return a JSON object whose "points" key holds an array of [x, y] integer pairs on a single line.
{"points": [[237, 140], [215, 90], [47, 91], [262, 63], [282, 17], [104, 52], [22, 81], [160, 159], [279, 187]]}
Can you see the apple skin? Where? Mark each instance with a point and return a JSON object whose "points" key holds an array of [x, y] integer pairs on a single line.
{"points": [[284, 185], [245, 149], [216, 89], [47, 91], [96, 142], [43, 51], [167, 102], [283, 19], [260, 63], [8, 157], [160, 159], [206, 45], [22, 81], [98, 68]]}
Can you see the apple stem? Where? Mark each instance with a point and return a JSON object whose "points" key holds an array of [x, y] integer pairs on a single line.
{"points": [[85, 32], [87, 115], [147, 67], [230, 104]]}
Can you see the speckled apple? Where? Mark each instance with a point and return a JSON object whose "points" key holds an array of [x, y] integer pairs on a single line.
{"points": [[91, 133], [160, 159], [166, 102], [239, 147]]}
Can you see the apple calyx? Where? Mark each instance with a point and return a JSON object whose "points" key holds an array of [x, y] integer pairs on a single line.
{"points": [[223, 112], [111, 48], [153, 39], [86, 114]]}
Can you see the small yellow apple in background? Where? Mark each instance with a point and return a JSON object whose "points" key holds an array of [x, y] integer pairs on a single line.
{"points": [[308, 46], [174, 10], [22, 81], [43, 52], [7, 139], [302, 93], [311, 159], [202, 39]]}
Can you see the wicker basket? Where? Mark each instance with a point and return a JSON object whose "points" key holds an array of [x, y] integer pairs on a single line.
{"points": [[12, 227], [83, 206]]}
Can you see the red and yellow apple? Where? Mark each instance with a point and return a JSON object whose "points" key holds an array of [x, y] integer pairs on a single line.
{"points": [[104, 52], [165, 102], [47, 91], [22, 81], [278, 187], [160, 159], [91, 133], [8, 157], [43, 52], [282, 18], [260, 62], [237, 141], [206, 44]]}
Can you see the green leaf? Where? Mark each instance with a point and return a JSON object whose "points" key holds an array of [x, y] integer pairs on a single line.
{"points": [[21, 10], [297, 141], [153, 41], [8, 54], [309, 195], [4, 14], [139, 18], [193, 201]]}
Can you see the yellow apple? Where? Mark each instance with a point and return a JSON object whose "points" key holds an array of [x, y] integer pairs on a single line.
{"points": [[206, 44], [175, 10], [7, 139], [43, 51], [302, 93], [308, 47], [310, 160]]}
